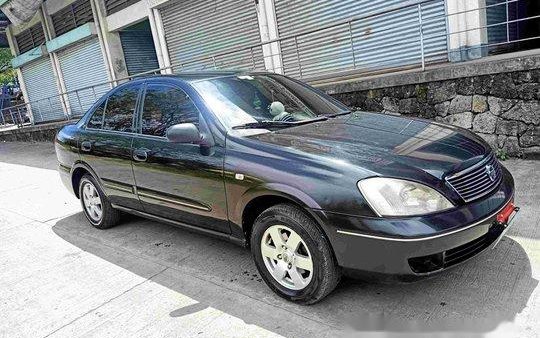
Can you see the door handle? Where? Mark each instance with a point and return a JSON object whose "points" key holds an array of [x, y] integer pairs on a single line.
{"points": [[86, 146], [140, 155]]}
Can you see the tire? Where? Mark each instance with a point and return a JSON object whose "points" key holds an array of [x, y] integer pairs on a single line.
{"points": [[313, 285], [109, 216]]}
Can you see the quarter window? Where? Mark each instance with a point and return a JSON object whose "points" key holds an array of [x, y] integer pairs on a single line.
{"points": [[120, 109], [96, 120], [165, 106]]}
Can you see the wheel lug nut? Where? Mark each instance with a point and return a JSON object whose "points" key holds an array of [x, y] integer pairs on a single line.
{"points": [[279, 256], [290, 266]]}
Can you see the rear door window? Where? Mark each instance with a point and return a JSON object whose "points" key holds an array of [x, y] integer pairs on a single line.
{"points": [[96, 120], [165, 106], [120, 109]]}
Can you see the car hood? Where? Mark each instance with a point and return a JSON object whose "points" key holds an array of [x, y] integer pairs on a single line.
{"points": [[385, 145]]}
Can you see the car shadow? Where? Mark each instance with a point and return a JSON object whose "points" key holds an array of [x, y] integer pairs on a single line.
{"points": [[474, 297]]}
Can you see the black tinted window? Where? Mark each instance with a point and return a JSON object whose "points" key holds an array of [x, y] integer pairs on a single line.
{"points": [[96, 120], [165, 106], [120, 109]]}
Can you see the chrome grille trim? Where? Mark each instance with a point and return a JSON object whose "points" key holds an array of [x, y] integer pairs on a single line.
{"points": [[474, 182]]}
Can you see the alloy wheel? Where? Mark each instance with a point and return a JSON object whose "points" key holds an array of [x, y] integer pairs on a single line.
{"points": [[287, 257], [92, 202]]}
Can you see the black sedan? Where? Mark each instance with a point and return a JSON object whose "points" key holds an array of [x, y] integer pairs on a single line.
{"points": [[268, 162]]}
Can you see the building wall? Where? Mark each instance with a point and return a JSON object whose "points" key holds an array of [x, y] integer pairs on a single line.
{"points": [[498, 100], [499, 105]]}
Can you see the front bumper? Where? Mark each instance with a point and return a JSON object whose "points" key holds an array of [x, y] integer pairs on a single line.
{"points": [[454, 238]]}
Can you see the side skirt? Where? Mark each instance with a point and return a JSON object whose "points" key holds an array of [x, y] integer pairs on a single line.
{"points": [[216, 234]]}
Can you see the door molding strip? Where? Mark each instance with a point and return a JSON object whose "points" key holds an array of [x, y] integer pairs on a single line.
{"points": [[173, 201]]}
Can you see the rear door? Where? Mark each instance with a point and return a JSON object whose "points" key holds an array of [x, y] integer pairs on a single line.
{"points": [[105, 144], [182, 182]]}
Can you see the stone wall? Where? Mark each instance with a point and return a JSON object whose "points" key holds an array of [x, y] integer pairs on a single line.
{"points": [[503, 108], [37, 133]]}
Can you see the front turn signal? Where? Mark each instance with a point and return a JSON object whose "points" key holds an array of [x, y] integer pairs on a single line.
{"points": [[506, 212]]}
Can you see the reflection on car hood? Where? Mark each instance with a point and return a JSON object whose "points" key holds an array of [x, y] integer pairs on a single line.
{"points": [[384, 143]]}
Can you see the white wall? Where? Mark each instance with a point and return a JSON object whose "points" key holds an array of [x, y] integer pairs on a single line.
{"points": [[466, 19], [266, 14]]}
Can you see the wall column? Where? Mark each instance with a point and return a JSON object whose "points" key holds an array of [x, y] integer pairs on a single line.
{"points": [[59, 77], [266, 14], [111, 44], [15, 51], [467, 37], [158, 34]]}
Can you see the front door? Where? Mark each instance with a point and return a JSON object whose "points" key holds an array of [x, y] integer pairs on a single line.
{"points": [[182, 182], [105, 145]]}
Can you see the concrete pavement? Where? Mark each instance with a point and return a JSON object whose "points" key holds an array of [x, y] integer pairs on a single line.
{"points": [[60, 277]]}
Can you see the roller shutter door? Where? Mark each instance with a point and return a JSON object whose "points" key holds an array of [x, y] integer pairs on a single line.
{"points": [[389, 40], [197, 29], [42, 90], [139, 51], [82, 66]]}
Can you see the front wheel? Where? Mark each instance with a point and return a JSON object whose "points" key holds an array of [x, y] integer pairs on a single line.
{"points": [[292, 255], [96, 206]]}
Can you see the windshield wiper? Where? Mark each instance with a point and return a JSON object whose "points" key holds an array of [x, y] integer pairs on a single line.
{"points": [[269, 124], [346, 112]]}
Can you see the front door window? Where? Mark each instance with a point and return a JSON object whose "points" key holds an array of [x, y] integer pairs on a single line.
{"points": [[165, 106]]}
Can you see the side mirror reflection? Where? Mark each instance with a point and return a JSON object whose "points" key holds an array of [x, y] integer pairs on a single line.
{"points": [[184, 133]]}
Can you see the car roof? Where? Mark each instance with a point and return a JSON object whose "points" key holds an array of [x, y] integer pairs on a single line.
{"points": [[193, 76]]}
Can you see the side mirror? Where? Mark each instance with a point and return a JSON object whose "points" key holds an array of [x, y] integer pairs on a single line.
{"points": [[184, 133]]}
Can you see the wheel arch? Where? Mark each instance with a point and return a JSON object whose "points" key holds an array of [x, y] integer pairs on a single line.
{"points": [[78, 171], [258, 199]]}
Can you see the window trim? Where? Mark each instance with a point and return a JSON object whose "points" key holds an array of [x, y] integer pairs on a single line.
{"points": [[141, 108]]}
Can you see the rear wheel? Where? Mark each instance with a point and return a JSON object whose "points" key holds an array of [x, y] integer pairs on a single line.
{"points": [[292, 255], [96, 206]]}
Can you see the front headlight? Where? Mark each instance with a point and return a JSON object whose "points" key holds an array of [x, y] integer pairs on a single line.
{"points": [[395, 197]]}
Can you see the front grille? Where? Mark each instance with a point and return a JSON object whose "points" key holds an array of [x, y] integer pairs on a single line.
{"points": [[465, 251], [478, 180], [448, 258]]}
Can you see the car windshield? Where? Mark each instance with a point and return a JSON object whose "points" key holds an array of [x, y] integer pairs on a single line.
{"points": [[266, 99]]}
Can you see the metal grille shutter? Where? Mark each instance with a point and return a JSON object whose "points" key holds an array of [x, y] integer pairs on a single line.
{"points": [[199, 29], [139, 51], [113, 6], [30, 38], [40, 84], [82, 66], [72, 16], [389, 40]]}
